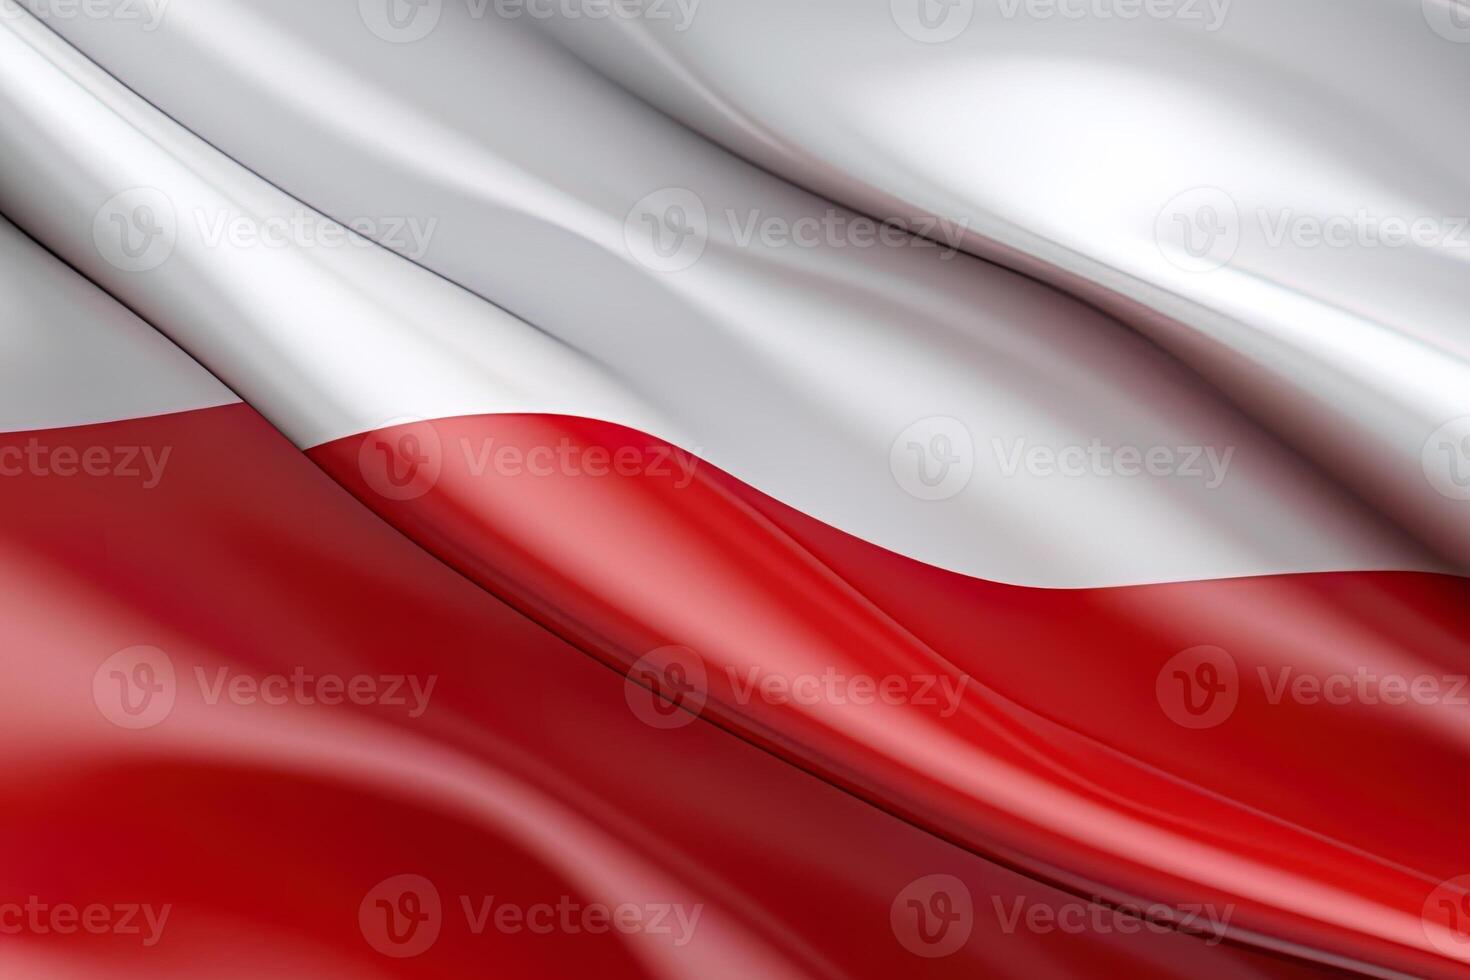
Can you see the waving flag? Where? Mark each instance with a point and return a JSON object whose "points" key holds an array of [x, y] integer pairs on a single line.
{"points": [[710, 489]]}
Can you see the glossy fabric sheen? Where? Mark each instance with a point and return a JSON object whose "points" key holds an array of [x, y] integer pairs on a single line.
{"points": [[796, 369], [1029, 760], [1307, 138], [629, 507], [528, 778]]}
